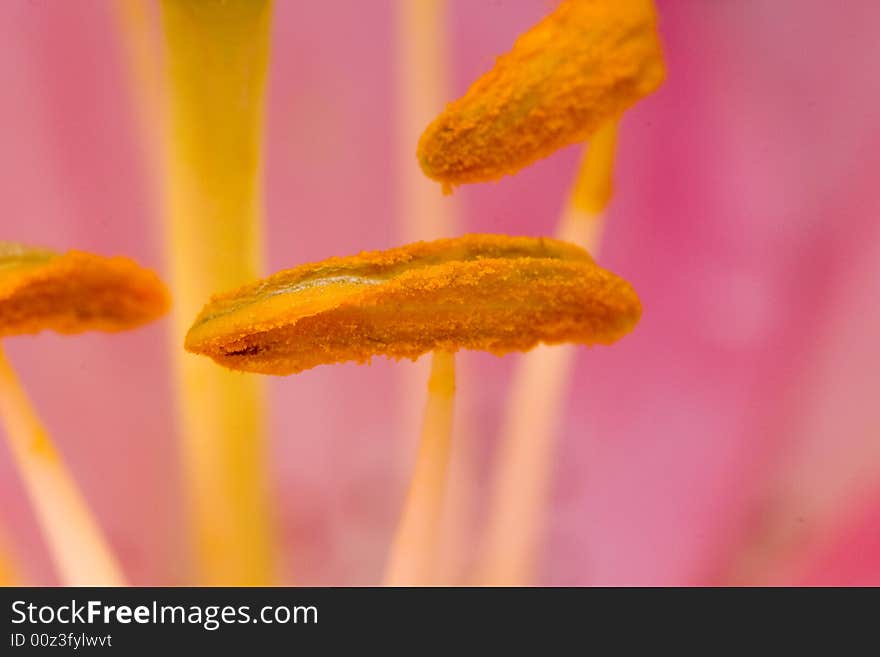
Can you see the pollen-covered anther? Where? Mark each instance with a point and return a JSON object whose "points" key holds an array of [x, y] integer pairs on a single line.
{"points": [[75, 292], [484, 292], [581, 66]]}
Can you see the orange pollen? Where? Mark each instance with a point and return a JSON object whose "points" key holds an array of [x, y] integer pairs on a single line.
{"points": [[582, 65], [75, 292], [485, 292]]}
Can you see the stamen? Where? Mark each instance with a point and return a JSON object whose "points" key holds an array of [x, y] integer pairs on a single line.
{"points": [[68, 293], [489, 292], [527, 450], [421, 89], [581, 66], [75, 292], [486, 292]]}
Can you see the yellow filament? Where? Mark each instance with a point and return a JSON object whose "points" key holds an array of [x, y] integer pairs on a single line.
{"points": [[217, 64], [78, 548], [422, 88], [528, 435], [413, 551], [593, 186]]}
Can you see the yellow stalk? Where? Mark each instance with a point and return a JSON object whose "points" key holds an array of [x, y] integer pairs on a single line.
{"points": [[422, 89], [528, 435], [217, 60], [413, 552], [78, 548]]}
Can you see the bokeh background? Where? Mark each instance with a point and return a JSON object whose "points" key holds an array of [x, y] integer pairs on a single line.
{"points": [[733, 438]]}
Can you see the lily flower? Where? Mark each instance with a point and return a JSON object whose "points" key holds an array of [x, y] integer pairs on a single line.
{"points": [[731, 439]]}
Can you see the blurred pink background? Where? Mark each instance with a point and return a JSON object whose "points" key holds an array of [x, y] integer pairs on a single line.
{"points": [[733, 438]]}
